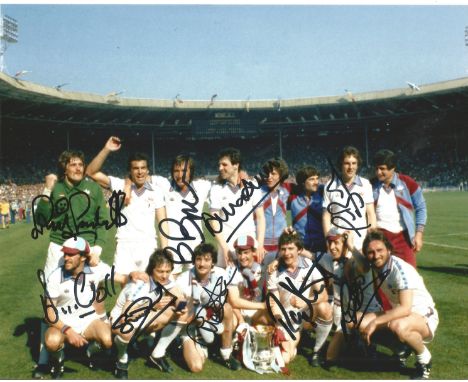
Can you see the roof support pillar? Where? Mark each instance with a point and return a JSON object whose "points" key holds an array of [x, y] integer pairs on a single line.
{"points": [[152, 152], [366, 137], [68, 139], [280, 137]]}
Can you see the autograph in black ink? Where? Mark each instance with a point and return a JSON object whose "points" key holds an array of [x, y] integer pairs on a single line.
{"points": [[99, 294], [353, 303], [192, 216], [70, 225], [353, 204], [214, 309], [139, 310], [46, 300], [355, 290], [290, 320]]}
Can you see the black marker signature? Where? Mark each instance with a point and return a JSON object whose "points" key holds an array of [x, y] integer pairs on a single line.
{"points": [[71, 226], [215, 306], [99, 294], [246, 193], [290, 320], [356, 289], [139, 310], [352, 294], [46, 300], [353, 200], [191, 217]]}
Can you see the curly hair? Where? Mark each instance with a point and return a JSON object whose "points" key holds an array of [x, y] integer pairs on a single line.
{"points": [[65, 158]]}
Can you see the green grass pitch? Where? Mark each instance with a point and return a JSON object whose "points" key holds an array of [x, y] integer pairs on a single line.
{"points": [[443, 263]]}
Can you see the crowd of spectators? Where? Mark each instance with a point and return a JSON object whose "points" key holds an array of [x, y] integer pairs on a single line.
{"points": [[430, 160]]}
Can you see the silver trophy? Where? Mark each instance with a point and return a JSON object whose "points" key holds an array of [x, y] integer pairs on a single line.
{"points": [[263, 356]]}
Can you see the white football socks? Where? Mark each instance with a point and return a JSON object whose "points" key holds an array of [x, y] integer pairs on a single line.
{"points": [[168, 334], [225, 353], [424, 357], [121, 346], [321, 333]]}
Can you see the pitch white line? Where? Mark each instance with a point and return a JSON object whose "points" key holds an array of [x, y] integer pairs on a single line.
{"points": [[445, 245], [448, 234]]}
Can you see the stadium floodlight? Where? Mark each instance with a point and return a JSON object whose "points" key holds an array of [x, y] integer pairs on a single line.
{"points": [[177, 98], [59, 87], [413, 86], [114, 94], [112, 97], [8, 35], [278, 104], [350, 95], [213, 97], [21, 73], [466, 36]]}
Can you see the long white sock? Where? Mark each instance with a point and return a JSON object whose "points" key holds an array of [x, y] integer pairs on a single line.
{"points": [[121, 346], [225, 353], [424, 357], [321, 332], [168, 334], [43, 353]]}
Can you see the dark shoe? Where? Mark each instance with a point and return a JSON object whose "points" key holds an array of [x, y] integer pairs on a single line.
{"points": [[160, 363], [40, 371], [402, 356], [314, 361], [232, 363], [57, 369], [91, 361], [330, 366], [121, 370], [423, 370], [372, 353]]}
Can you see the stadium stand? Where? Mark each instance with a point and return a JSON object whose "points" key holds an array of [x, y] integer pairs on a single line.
{"points": [[36, 125]]}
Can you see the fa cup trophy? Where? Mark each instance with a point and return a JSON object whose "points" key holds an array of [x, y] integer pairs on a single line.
{"points": [[263, 356]]}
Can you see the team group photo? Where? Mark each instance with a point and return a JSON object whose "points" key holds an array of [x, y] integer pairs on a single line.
{"points": [[198, 237]]}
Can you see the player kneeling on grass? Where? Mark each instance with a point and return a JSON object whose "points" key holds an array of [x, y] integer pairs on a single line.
{"points": [[147, 307], [206, 286], [247, 286], [353, 290], [413, 317], [298, 290], [71, 289]]}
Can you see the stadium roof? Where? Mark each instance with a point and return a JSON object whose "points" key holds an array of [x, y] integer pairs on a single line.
{"points": [[35, 104]]}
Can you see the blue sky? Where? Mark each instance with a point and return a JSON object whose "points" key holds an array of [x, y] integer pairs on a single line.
{"points": [[256, 51]]}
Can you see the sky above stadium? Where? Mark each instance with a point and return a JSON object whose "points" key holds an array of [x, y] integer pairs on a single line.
{"points": [[237, 51]]}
